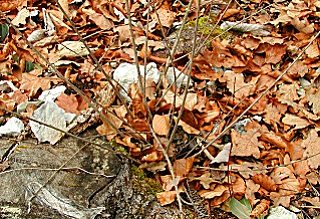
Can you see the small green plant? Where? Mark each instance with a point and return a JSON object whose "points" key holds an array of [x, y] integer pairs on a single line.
{"points": [[29, 66], [241, 209], [4, 31]]}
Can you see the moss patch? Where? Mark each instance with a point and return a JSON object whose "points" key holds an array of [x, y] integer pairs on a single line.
{"points": [[206, 27], [144, 183]]}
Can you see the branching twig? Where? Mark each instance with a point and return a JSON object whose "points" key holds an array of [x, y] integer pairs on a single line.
{"points": [[261, 95]]}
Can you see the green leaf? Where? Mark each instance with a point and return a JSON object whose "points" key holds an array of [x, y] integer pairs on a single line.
{"points": [[4, 30], [29, 66], [241, 209]]}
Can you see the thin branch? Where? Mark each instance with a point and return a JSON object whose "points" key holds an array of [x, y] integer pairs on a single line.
{"points": [[260, 96]]}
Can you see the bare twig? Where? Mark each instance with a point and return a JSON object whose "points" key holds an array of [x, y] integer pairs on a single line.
{"points": [[261, 95]]}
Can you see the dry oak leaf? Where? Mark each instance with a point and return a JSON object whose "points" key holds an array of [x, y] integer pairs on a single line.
{"points": [[221, 199], [251, 189], [288, 93], [288, 185], [298, 69], [33, 83], [173, 98], [68, 102], [166, 198], [168, 183], [281, 198], [303, 25], [313, 178], [166, 17], [295, 121], [238, 185], [286, 180], [205, 180], [152, 157], [245, 144], [313, 97], [188, 128], [313, 50], [237, 85], [274, 53], [312, 146], [274, 112], [99, 19]]}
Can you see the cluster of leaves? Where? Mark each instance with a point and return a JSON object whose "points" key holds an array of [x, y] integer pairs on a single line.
{"points": [[184, 125]]}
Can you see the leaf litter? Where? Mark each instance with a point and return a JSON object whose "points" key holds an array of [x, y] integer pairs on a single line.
{"points": [[270, 161]]}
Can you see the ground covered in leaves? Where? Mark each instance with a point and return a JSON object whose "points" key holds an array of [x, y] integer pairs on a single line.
{"points": [[216, 100]]}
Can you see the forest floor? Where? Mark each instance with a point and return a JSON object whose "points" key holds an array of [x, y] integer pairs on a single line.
{"points": [[214, 105]]}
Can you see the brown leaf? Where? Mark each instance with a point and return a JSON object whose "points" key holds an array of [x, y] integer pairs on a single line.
{"points": [[182, 167], [261, 208], [205, 180], [245, 144], [303, 25], [166, 198], [298, 69], [110, 125], [161, 124], [33, 83], [237, 85], [251, 189], [313, 50], [313, 178], [238, 185], [6, 5], [188, 129], [274, 53], [313, 97], [286, 180], [152, 157], [312, 146], [216, 192], [167, 17], [265, 181], [295, 121], [230, 12], [68, 102]]}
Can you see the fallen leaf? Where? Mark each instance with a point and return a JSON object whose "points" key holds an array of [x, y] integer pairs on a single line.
{"points": [[265, 181], [110, 126], [205, 180], [312, 146], [245, 144], [216, 192], [166, 198], [295, 121], [33, 83], [68, 102], [182, 167], [260, 208], [161, 125]]}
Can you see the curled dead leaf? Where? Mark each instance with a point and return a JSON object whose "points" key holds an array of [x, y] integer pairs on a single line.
{"points": [[265, 181], [216, 192], [261, 208]]}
